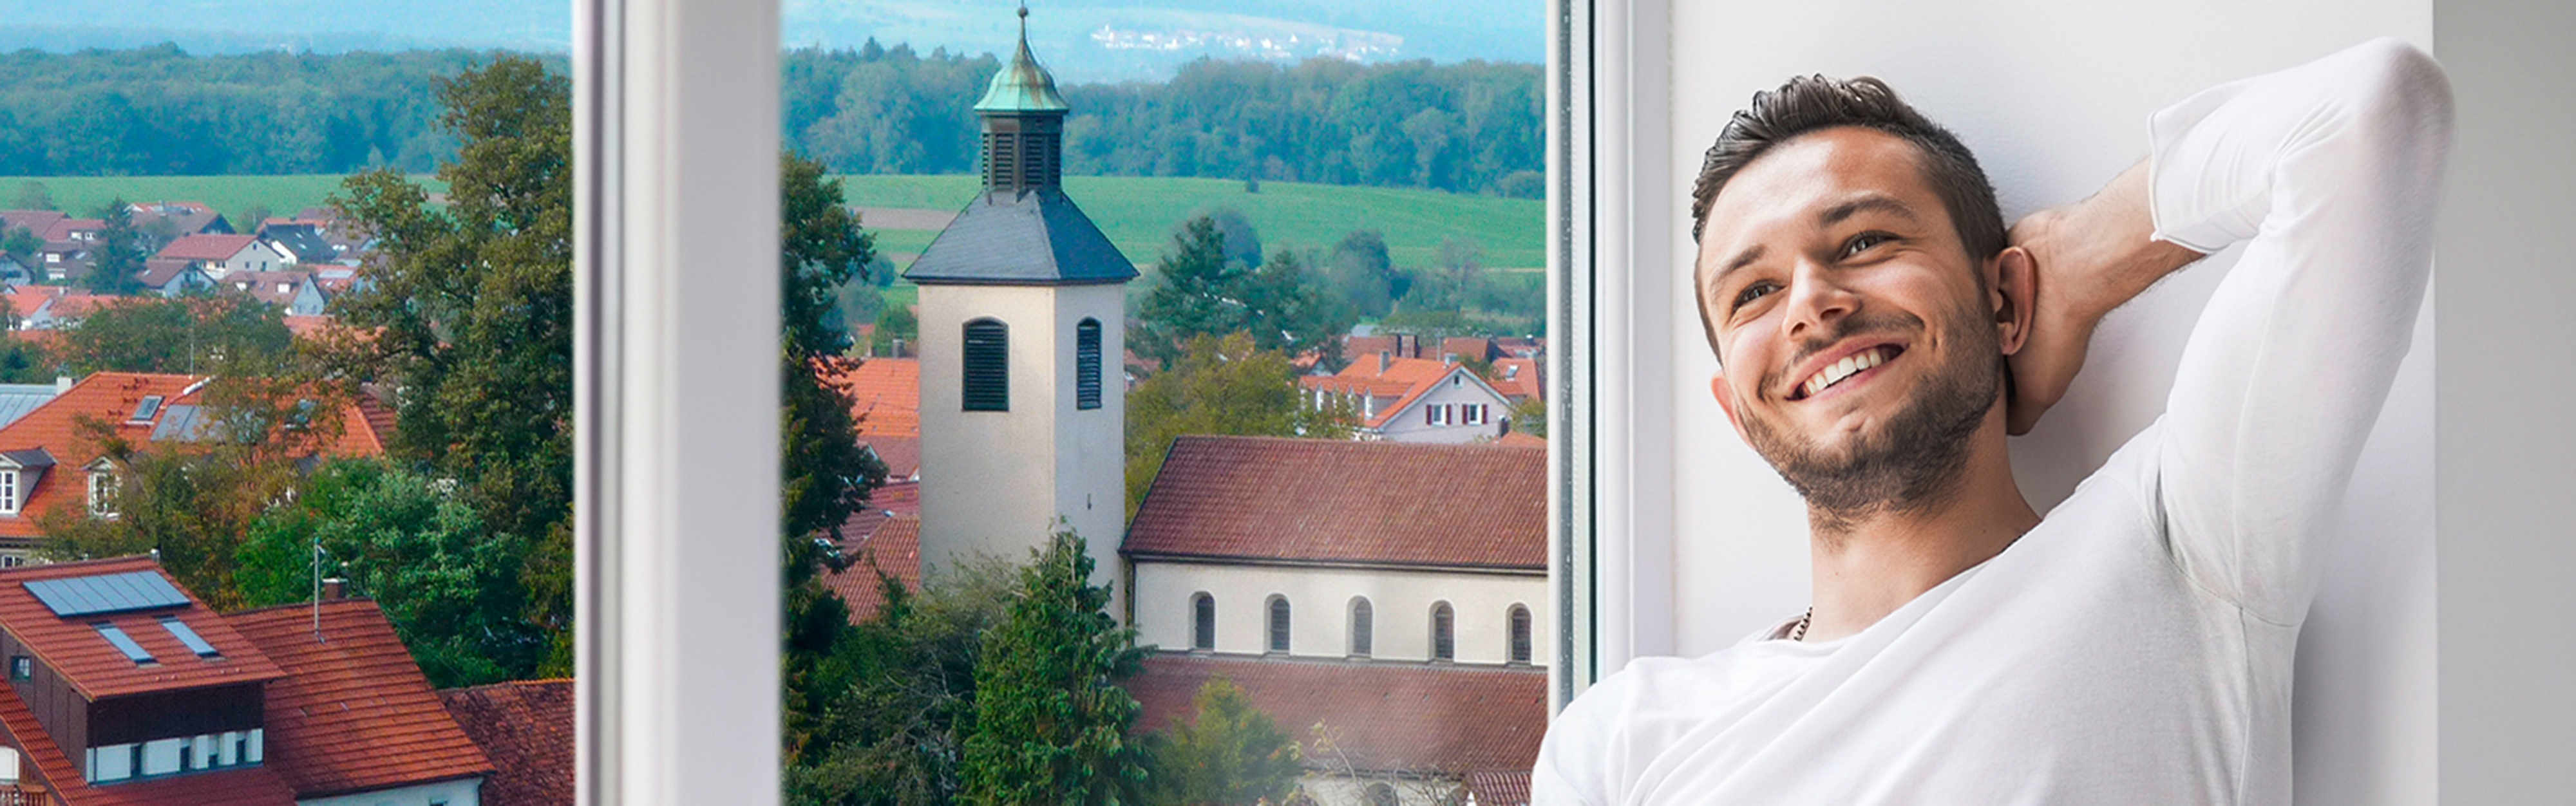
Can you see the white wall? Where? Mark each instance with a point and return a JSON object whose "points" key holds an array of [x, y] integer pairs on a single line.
{"points": [[2053, 98], [1319, 609]]}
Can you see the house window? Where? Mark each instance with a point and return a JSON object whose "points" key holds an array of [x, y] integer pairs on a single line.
{"points": [[1443, 632], [1520, 649], [1086, 364], [1278, 624], [102, 493], [9, 492], [161, 756], [987, 384], [113, 762], [22, 667], [1360, 627], [1203, 621]]}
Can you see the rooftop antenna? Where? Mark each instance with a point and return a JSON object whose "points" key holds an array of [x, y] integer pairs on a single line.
{"points": [[317, 591]]}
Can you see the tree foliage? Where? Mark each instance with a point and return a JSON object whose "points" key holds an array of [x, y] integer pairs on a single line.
{"points": [[1200, 291], [451, 589], [1050, 720], [902, 692], [1220, 386], [1467, 127], [121, 249], [471, 309], [178, 335], [1228, 753]]}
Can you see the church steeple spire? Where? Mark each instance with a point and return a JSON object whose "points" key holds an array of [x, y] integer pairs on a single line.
{"points": [[1023, 123]]}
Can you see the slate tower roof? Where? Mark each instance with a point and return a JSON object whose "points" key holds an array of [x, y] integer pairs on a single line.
{"points": [[1021, 229]]}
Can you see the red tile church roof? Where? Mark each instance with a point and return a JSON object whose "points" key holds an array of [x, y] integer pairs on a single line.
{"points": [[1335, 501]]}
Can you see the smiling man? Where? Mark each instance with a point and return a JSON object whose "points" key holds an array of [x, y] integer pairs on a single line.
{"points": [[1880, 333]]}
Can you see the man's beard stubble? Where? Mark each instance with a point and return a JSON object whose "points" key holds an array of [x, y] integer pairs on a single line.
{"points": [[1913, 459]]}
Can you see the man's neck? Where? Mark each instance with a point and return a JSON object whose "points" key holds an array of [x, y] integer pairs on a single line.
{"points": [[1870, 565]]}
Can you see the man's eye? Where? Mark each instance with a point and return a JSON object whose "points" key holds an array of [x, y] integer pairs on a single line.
{"points": [[1863, 241], [1754, 292]]}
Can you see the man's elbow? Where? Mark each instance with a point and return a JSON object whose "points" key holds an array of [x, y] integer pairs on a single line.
{"points": [[2399, 87]]}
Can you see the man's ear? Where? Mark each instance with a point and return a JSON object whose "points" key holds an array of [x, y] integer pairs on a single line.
{"points": [[2013, 295], [1717, 389]]}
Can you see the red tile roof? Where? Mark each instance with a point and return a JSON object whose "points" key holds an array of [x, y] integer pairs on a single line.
{"points": [[111, 397], [1383, 717], [1387, 413], [902, 455], [159, 271], [354, 712], [95, 668], [1522, 439], [242, 787], [1517, 379], [895, 548], [25, 299], [78, 304], [207, 247], [526, 728], [35, 222], [1401, 345], [885, 395], [64, 227], [1467, 347], [1335, 501], [1500, 787]]}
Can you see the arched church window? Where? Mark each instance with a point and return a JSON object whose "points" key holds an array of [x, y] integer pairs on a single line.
{"points": [[987, 384], [1086, 364], [1443, 632], [1278, 624], [1361, 627], [1202, 621], [1520, 649]]}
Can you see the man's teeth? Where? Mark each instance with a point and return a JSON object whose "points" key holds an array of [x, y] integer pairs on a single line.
{"points": [[1836, 372]]}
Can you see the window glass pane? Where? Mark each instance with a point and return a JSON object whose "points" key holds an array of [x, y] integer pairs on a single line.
{"points": [[291, 303], [1147, 321]]}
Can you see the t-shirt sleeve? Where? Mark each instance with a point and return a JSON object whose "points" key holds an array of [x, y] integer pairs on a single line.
{"points": [[2326, 175]]}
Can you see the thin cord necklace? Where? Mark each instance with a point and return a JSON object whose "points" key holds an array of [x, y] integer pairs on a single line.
{"points": [[1799, 633]]}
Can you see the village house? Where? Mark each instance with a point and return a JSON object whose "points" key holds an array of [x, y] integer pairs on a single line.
{"points": [[124, 688], [221, 255], [296, 292], [172, 277], [49, 463], [1412, 399], [300, 241], [46, 308], [526, 728], [181, 218]]}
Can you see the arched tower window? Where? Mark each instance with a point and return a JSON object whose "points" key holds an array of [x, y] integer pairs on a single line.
{"points": [[1086, 364], [1202, 621], [1361, 627], [1444, 631], [1278, 624], [987, 385], [1520, 649]]}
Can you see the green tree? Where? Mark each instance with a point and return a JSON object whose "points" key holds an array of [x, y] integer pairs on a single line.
{"points": [[1359, 269], [896, 322], [904, 692], [121, 249], [178, 335], [23, 244], [451, 590], [1201, 291], [1050, 720], [1221, 386], [32, 195], [826, 474], [471, 309], [1530, 417], [1229, 753]]}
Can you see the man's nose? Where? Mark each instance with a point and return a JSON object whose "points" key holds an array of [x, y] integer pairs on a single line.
{"points": [[1816, 299]]}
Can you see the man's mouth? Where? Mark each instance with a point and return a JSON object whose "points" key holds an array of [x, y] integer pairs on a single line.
{"points": [[1845, 369]]}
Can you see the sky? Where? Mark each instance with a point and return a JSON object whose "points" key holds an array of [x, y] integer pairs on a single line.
{"points": [[1082, 40]]}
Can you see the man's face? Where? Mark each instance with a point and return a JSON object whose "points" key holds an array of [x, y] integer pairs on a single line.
{"points": [[1859, 349]]}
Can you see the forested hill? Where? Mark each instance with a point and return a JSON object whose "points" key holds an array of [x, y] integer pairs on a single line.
{"points": [[162, 111], [1467, 127]]}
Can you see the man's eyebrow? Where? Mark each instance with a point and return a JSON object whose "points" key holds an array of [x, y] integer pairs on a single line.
{"points": [[1741, 259], [1870, 203]]}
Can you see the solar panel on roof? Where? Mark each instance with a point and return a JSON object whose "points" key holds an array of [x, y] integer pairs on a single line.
{"points": [[106, 593], [186, 635], [123, 643]]}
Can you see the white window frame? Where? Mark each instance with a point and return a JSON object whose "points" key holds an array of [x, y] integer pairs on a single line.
{"points": [[675, 153], [9, 493], [98, 508]]}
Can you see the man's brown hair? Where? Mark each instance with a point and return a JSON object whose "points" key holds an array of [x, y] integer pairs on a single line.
{"points": [[1810, 103]]}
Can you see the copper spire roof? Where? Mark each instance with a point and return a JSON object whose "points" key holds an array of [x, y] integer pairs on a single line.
{"points": [[1022, 85]]}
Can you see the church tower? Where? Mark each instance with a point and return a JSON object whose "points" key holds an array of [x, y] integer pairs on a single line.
{"points": [[1023, 325]]}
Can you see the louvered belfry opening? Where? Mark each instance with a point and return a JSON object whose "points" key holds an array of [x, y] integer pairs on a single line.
{"points": [[1086, 364], [1023, 151], [987, 381]]}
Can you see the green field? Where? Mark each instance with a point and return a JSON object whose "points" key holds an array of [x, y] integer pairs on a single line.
{"points": [[229, 195], [1138, 213]]}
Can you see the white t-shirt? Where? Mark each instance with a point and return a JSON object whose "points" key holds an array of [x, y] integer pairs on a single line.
{"points": [[2135, 646]]}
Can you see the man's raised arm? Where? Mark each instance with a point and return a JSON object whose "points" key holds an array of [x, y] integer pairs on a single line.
{"points": [[2327, 173]]}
